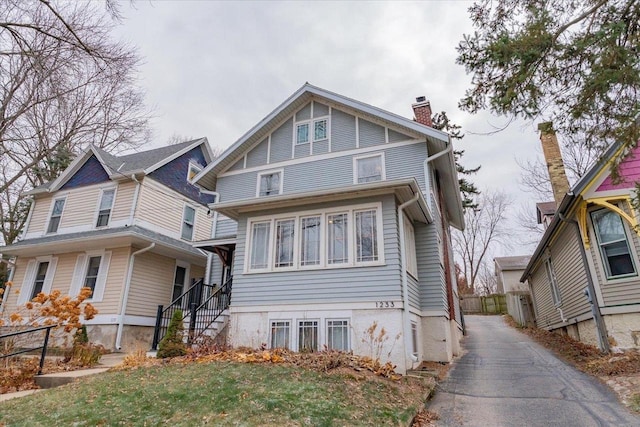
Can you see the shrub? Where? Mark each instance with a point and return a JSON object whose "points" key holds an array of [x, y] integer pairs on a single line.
{"points": [[81, 336], [172, 344]]}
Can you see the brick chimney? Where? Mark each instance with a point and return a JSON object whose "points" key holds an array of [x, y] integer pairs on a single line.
{"points": [[553, 158], [422, 111]]}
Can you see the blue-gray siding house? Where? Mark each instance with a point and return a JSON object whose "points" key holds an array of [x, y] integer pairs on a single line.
{"points": [[333, 219]]}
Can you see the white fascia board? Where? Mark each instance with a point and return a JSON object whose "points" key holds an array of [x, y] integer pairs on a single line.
{"points": [[71, 169]]}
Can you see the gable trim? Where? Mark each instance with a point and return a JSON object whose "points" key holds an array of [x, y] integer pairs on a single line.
{"points": [[201, 141]]}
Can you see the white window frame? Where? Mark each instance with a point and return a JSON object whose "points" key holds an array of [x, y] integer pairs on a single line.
{"points": [[80, 274], [30, 275], [348, 335], [556, 296], [270, 172], [113, 203], [414, 338], [288, 326], [410, 247], [602, 260], [298, 330], [383, 172], [193, 167], [311, 129], [324, 235], [321, 246], [294, 257], [50, 216], [184, 221]]}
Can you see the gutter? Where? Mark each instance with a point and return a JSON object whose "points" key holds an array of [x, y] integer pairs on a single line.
{"points": [[125, 294], [406, 326], [590, 291]]}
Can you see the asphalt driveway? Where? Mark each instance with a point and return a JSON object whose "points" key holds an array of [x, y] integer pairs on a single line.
{"points": [[506, 379]]}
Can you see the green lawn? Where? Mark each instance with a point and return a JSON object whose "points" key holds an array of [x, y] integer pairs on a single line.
{"points": [[222, 393]]}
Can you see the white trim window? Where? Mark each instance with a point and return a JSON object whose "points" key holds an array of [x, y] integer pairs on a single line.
{"points": [[192, 171], [270, 183], [56, 215], [338, 334], [311, 130], [259, 244], [91, 271], [410, 247], [285, 239], [310, 237], [307, 336], [188, 221], [414, 338], [613, 243], [280, 334], [553, 283], [104, 208], [353, 237], [369, 168], [38, 278]]}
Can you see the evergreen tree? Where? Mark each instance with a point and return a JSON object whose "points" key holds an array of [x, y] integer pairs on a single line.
{"points": [[172, 344]]}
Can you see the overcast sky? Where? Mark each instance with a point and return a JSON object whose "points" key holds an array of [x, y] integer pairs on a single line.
{"points": [[215, 69]]}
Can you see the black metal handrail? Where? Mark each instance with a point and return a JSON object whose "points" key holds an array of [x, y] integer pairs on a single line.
{"points": [[203, 316], [44, 345], [191, 296]]}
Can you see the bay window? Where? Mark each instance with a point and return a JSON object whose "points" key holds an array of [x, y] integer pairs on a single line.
{"points": [[346, 237]]}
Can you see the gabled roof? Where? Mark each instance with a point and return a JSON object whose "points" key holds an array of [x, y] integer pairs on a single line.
{"points": [[143, 162], [570, 199], [437, 141], [545, 209]]}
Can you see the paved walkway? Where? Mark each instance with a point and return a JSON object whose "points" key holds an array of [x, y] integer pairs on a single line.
{"points": [[106, 361], [506, 379]]}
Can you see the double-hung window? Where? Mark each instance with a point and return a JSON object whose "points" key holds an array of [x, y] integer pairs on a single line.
{"points": [[260, 232], [614, 244], [368, 168], [553, 283], [104, 210], [38, 283], [285, 234], [410, 247], [269, 183], [188, 220], [56, 214], [91, 276]]}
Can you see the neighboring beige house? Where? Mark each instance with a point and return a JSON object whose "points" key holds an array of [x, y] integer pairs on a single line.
{"points": [[508, 271], [122, 226]]}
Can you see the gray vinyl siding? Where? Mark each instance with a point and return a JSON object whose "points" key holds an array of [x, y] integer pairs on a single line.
{"points": [[328, 173], [320, 110], [397, 136], [433, 293], [237, 165], [304, 113], [215, 272], [320, 147], [356, 284], [617, 291], [281, 140], [413, 288], [370, 133], [343, 131], [226, 227], [302, 150], [258, 156], [570, 275]]}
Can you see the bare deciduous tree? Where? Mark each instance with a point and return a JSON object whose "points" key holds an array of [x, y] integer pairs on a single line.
{"points": [[484, 228], [64, 84]]}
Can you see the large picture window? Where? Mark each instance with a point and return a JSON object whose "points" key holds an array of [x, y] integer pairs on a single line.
{"points": [[343, 238], [613, 243]]}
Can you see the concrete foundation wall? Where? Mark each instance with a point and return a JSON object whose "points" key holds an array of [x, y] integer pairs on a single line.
{"points": [[624, 329], [437, 339], [133, 337]]}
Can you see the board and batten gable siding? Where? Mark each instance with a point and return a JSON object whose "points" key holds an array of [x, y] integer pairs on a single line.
{"points": [[163, 208], [258, 156], [404, 161], [281, 141], [370, 133], [343, 131], [355, 284], [618, 291], [571, 277]]}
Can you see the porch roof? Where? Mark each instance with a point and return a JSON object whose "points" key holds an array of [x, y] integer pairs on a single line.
{"points": [[224, 242], [110, 237], [404, 189]]}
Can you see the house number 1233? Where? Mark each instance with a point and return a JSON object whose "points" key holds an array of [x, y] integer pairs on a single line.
{"points": [[384, 304]]}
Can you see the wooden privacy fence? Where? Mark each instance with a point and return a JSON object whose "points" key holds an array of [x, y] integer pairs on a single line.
{"points": [[492, 304]]}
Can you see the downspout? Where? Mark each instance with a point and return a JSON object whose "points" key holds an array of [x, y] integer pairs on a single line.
{"points": [[125, 294], [405, 285], [134, 203], [603, 342], [7, 288]]}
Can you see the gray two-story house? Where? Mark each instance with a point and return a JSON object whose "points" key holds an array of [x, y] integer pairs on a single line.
{"points": [[333, 221]]}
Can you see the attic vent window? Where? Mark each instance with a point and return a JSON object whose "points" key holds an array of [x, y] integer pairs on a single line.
{"points": [[318, 127], [193, 171]]}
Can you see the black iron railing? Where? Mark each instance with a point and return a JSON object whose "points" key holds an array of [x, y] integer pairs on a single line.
{"points": [[203, 316], [44, 345]]}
